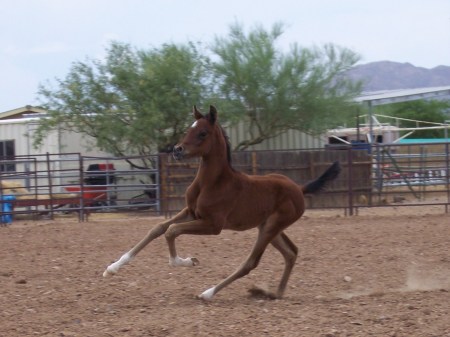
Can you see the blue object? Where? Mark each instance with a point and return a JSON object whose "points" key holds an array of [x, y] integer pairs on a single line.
{"points": [[362, 146], [423, 140], [7, 208]]}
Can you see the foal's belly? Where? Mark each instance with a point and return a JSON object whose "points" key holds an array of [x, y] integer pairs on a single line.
{"points": [[243, 224], [245, 216], [252, 211]]}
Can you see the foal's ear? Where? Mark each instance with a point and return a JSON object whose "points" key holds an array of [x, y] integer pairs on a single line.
{"points": [[197, 114], [212, 115]]}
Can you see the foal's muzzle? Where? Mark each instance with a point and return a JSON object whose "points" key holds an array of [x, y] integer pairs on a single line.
{"points": [[178, 152]]}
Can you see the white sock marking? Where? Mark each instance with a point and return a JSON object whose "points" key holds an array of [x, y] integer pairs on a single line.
{"points": [[180, 262], [207, 295], [114, 267]]}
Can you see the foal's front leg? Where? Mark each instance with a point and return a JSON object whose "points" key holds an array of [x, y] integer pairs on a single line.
{"points": [[195, 227], [154, 233]]}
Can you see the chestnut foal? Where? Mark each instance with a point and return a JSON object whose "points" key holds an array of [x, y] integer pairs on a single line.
{"points": [[222, 198]]}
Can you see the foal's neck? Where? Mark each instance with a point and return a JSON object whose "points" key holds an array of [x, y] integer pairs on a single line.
{"points": [[215, 165]]}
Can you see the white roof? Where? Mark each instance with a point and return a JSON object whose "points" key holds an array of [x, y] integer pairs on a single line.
{"points": [[363, 129], [19, 120], [401, 95], [21, 111]]}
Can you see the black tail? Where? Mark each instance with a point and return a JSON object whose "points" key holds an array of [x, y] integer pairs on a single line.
{"points": [[320, 183]]}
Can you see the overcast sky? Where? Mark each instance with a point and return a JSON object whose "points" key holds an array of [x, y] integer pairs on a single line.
{"points": [[41, 38]]}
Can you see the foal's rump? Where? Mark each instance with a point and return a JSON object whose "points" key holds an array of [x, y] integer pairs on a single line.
{"points": [[261, 196]]}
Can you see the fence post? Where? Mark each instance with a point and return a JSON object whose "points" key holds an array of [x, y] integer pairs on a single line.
{"points": [[350, 181], [254, 163], [50, 185], [82, 214], [163, 182], [158, 184], [447, 175]]}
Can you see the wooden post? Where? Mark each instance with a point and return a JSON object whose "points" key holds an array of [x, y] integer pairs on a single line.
{"points": [[254, 163]]}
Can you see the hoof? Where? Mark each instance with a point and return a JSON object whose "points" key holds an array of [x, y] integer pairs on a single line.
{"points": [[187, 262], [207, 295], [114, 267], [109, 272], [260, 292], [106, 273]]}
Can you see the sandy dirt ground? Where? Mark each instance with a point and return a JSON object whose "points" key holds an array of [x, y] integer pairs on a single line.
{"points": [[384, 272]]}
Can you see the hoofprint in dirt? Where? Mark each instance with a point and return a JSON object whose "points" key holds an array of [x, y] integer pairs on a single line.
{"points": [[380, 274]]}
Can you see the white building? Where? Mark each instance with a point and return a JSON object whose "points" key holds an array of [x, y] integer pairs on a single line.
{"points": [[20, 160], [16, 136]]}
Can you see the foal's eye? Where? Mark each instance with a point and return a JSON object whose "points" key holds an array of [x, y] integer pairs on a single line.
{"points": [[202, 134]]}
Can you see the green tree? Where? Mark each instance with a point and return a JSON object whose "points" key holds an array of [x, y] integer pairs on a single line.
{"points": [[133, 102], [273, 92], [415, 114]]}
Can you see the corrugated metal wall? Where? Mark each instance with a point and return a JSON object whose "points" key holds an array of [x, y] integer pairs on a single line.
{"points": [[19, 130], [72, 142], [76, 142], [290, 140]]}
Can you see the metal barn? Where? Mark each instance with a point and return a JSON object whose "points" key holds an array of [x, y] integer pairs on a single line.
{"points": [[16, 136]]}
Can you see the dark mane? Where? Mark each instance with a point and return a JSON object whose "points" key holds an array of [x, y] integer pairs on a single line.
{"points": [[227, 142]]}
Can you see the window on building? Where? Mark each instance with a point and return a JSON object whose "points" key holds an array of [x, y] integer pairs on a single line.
{"points": [[333, 140], [7, 152]]}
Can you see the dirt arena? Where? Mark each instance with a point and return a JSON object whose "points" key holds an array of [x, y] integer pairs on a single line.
{"points": [[384, 272]]}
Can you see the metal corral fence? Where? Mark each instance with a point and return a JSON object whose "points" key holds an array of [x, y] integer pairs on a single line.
{"points": [[69, 182], [378, 176], [381, 176], [411, 175]]}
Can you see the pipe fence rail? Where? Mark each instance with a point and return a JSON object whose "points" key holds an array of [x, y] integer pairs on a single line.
{"points": [[69, 182], [382, 176]]}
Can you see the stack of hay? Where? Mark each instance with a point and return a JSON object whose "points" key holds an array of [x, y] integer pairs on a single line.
{"points": [[15, 188]]}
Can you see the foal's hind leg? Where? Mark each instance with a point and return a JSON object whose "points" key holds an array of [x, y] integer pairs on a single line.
{"points": [[154, 233], [251, 263], [289, 251]]}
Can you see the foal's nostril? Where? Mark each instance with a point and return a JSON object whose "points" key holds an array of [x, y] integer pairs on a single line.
{"points": [[177, 151]]}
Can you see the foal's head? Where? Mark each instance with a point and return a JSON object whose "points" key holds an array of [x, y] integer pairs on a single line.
{"points": [[204, 135]]}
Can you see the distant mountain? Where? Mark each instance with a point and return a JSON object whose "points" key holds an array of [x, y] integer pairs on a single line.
{"points": [[387, 75]]}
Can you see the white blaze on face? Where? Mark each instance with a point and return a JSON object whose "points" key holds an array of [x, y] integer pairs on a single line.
{"points": [[194, 124]]}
